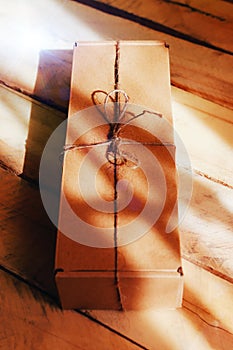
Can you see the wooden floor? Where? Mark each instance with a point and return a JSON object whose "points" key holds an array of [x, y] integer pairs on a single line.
{"points": [[33, 101]]}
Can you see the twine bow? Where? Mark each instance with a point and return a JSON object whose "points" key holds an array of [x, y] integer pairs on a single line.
{"points": [[114, 153]]}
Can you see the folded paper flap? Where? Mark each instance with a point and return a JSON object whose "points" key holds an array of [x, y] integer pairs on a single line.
{"points": [[94, 291], [86, 274], [138, 291], [149, 274], [124, 274]]}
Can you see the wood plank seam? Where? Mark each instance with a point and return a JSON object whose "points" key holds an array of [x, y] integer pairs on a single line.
{"points": [[203, 319], [195, 9], [81, 312], [114, 11], [7, 168], [24, 93], [207, 268], [211, 178], [27, 282], [88, 314]]}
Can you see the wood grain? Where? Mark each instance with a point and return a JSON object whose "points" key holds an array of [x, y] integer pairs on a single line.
{"points": [[206, 230], [206, 130], [26, 126], [27, 242], [210, 23], [31, 320], [30, 68]]}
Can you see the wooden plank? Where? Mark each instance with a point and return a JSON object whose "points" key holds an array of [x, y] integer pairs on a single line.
{"points": [[26, 230], [200, 104], [206, 130], [212, 7], [15, 116], [30, 320], [210, 23], [208, 295], [195, 68], [26, 126], [206, 231]]}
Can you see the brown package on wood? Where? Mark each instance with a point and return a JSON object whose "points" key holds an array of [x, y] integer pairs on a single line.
{"points": [[118, 242]]}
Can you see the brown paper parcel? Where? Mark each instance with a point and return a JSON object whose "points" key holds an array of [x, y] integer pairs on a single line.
{"points": [[118, 244]]}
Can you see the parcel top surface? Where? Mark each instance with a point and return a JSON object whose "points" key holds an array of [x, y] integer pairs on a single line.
{"points": [[139, 68]]}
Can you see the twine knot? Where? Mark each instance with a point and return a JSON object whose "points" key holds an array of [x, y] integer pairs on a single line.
{"points": [[115, 119]]}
